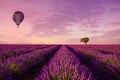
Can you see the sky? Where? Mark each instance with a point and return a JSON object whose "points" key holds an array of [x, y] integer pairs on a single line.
{"points": [[60, 21]]}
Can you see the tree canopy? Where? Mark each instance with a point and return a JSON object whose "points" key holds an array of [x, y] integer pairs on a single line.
{"points": [[85, 40]]}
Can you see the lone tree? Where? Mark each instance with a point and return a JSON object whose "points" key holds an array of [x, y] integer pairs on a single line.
{"points": [[85, 40]]}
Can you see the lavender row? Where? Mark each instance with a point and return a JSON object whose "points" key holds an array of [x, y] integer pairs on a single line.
{"points": [[110, 59], [12, 51], [99, 63], [12, 48], [64, 66], [107, 49], [17, 67], [115, 49], [14, 57], [19, 48]]}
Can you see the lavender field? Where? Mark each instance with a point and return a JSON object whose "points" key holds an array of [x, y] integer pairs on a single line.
{"points": [[59, 62]]}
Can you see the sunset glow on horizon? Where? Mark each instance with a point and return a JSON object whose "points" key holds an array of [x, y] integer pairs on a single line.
{"points": [[60, 21]]}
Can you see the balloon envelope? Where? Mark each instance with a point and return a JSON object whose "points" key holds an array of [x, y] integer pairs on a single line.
{"points": [[18, 17]]}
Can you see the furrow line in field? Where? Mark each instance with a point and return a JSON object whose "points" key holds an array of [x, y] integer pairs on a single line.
{"points": [[64, 66], [5, 56], [94, 64], [24, 66]]}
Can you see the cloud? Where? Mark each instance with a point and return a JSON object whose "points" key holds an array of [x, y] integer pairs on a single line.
{"points": [[115, 10], [68, 18], [73, 41], [107, 37], [111, 37], [116, 23], [63, 13], [109, 34], [104, 40], [58, 14], [2, 42]]}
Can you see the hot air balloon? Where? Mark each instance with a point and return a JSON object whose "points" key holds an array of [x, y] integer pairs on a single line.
{"points": [[18, 17]]}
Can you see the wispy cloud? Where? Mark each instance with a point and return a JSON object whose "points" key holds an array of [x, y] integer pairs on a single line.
{"points": [[3, 42], [61, 21], [64, 13]]}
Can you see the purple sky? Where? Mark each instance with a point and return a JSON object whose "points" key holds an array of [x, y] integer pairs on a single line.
{"points": [[61, 21]]}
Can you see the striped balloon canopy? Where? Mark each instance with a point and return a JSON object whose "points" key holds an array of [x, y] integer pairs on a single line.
{"points": [[18, 17]]}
